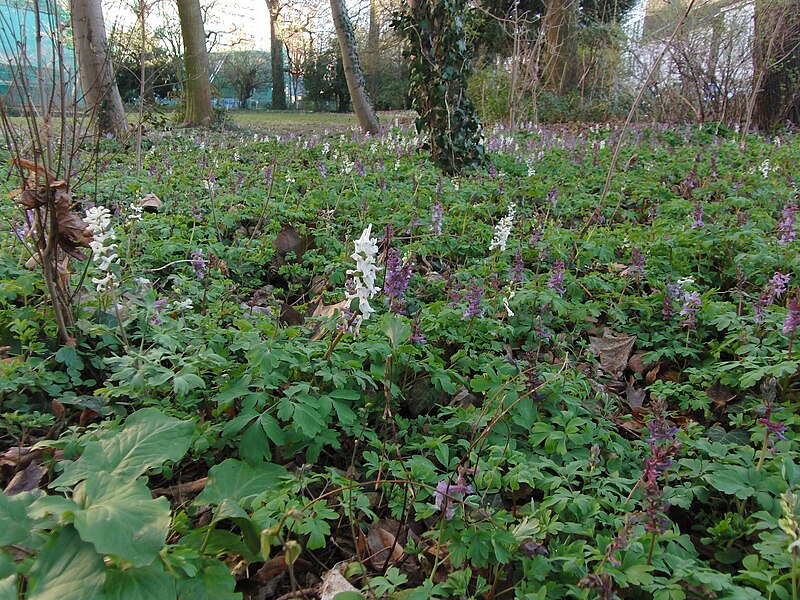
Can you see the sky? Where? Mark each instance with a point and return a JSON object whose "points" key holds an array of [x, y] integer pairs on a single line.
{"points": [[236, 23]]}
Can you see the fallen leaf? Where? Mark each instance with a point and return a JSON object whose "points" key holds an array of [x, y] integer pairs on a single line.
{"points": [[26, 480], [612, 351], [334, 582], [634, 396], [152, 202]]}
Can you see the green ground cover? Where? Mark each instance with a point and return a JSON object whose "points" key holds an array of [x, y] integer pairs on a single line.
{"points": [[317, 351]]}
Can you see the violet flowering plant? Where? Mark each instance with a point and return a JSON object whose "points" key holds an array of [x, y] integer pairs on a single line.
{"points": [[774, 289], [446, 492], [398, 276]]}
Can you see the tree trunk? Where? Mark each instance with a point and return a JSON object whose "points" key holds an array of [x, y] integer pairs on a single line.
{"points": [[352, 69], [560, 65], [373, 51], [276, 51], [198, 86], [100, 92], [776, 62]]}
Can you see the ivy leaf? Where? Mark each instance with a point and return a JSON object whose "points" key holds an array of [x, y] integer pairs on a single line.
{"points": [[67, 568], [239, 481], [145, 583], [148, 439], [119, 517]]}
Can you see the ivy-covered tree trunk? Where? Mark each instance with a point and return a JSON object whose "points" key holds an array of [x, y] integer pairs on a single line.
{"points": [[352, 69], [439, 66], [198, 86], [276, 51], [776, 59], [100, 92]]}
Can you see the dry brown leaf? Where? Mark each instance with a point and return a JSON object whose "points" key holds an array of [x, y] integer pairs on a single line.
{"points": [[151, 201], [328, 310], [334, 582], [58, 409], [612, 351], [634, 396], [26, 480]]}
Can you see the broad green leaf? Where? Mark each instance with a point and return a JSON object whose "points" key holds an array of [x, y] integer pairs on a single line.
{"points": [[213, 582], [7, 566], [147, 440], [67, 569], [8, 587], [397, 330], [239, 481], [15, 525], [57, 506], [308, 419], [145, 583], [228, 509], [119, 517]]}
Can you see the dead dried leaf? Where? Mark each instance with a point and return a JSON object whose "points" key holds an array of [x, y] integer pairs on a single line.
{"points": [[26, 480], [634, 396], [612, 351], [58, 409], [384, 543], [328, 310], [334, 582], [151, 201]]}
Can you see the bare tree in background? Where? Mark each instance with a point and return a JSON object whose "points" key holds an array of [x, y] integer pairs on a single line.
{"points": [[100, 92], [560, 45], [352, 69], [776, 61], [198, 87], [276, 49]]}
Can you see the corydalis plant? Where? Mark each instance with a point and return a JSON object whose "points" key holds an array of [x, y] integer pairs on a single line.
{"points": [[98, 223], [398, 276], [503, 229], [773, 290], [363, 277]]}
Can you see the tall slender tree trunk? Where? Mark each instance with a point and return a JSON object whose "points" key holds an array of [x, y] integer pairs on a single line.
{"points": [[560, 65], [100, 92], [352, 69], [276, 50], [373, 73], [198, 86], [776, 62]]}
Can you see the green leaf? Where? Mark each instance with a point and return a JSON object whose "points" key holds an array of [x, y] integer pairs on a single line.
{"points": [[144, 583], [148, 439], [67, 569], [8, 587], [308, 419], [731, 479], [15, 525], [7, 566], [239, 481], [213, 582], [119, 517], [397, 330], [348, 596]]}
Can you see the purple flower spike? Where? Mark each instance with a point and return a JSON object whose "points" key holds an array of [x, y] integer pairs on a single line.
{"points": [[198, 264], [556, 280], [473, 295], [787, 226]]}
